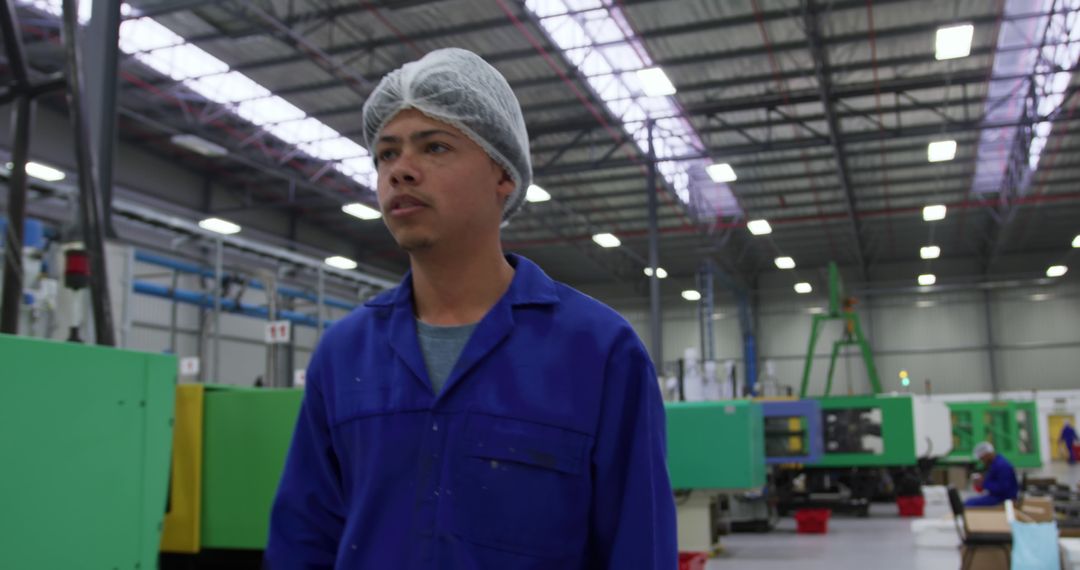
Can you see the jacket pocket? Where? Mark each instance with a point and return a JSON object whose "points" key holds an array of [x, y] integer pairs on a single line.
{"points": [[521, 486]]}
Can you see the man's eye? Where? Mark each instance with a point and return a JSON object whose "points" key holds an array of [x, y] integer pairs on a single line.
{"points": [[437, 148], [387, 155]]}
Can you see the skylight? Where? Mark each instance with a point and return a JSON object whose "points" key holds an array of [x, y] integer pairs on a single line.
{"points": [[596, 37], [161, 49]]}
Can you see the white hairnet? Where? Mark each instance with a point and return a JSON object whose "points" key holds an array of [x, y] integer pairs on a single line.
{"points": [[982, 448], [459, 88]]}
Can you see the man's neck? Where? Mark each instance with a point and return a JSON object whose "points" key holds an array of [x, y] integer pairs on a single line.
{"points": [[456, 290]]}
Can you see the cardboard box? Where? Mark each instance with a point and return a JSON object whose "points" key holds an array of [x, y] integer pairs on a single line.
{"points": [[989, 558], [987, 520], [1039, 509]]}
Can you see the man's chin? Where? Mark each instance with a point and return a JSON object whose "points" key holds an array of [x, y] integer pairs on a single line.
{"points": [[416, 244]]}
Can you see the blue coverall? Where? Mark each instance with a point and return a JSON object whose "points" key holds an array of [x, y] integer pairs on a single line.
{"points": [[1068, 437], [999, 482], [545, 449]]}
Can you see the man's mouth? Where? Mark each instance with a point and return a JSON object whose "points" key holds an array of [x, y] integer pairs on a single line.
{"points": [[404, 205]]}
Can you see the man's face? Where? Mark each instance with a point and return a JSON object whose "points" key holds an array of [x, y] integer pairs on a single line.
{"points": [[436, 185], [987, 459]]}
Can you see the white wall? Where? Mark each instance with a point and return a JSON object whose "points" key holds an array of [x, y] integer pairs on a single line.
{"points": [[939, 336]]}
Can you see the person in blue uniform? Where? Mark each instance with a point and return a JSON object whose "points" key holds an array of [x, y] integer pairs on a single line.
{"points": [[479, 415], [1068, 439], [998, 480]]}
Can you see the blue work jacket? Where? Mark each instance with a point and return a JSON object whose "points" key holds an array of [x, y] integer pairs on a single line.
{"points": [[545, 449], [999, 481]]}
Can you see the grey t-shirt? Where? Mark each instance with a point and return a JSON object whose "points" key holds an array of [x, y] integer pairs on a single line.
{"points": [[441, 347]]}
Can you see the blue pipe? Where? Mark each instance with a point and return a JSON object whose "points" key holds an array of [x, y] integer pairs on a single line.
{"points": [[227, 305], [185, 267]]}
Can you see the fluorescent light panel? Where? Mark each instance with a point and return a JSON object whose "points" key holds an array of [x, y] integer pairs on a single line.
{"points": [[927, 279], [218, 225], [655, 83], [721, 172], [785, 263], [1076, 241], [953, 42], [362, 211], [1056, 270], [340, 262], [606, 240], [759, 227], [199, 145], [941, 151], [803, 288], [934, 213], [691, 295], [930, 252], [536, 194], [661, 273], [41, 171]]}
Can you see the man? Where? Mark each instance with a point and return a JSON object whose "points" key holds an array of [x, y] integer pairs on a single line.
{"points": [[1068, 439], [999, 479], [480, 415]]}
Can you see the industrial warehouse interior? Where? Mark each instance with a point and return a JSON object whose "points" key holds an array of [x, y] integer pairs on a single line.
{"points": [[845, 235]]}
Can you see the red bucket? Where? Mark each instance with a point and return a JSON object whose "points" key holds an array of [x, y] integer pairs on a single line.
{"points": [[693, 560], [812, 521], [911, 506]]}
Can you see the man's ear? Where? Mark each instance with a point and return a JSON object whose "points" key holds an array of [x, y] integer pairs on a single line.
{"points": [[506, 184]]}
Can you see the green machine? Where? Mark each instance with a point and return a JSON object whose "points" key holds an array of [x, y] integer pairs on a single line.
{"points": [[228, 458], [713, 448], [841, 308], [248, 431], [1012, 427], [87, 435]]}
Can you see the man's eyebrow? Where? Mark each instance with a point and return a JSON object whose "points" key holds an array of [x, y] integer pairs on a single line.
{"points": [[391, 139]]}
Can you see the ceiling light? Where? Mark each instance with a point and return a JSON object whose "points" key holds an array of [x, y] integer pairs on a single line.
{"points": [[199, 145], [1040, 296], [536, 194], [340, 262], [362, 211], [1056, 270], [940, 151], [934, 213], [655, 82], [953, 42], [661, 273], [924, 304], [803, 288], [218, 225], [930, 252], [41, 171], [691, 295], [759, 227], [927, 279], [721, 172], [1076, 241], [785, 263], [606, 240], [816, 310]]}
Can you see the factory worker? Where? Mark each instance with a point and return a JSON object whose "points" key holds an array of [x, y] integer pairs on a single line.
{"points": [[998, 481], [479, 415]]}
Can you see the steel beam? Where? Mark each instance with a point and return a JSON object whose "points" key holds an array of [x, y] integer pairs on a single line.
{"points": [[23, 119], [821, 60], [90, 208]]}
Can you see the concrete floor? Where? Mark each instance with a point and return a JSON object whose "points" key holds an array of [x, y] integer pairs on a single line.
{"points": [[882, 542]]}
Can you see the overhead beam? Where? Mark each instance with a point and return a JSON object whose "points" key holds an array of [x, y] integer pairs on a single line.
{"points": [[821, 60]]}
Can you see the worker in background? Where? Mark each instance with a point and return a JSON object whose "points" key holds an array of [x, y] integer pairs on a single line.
{"points": [[479, 415], [998, 480], [1068, 439]]}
